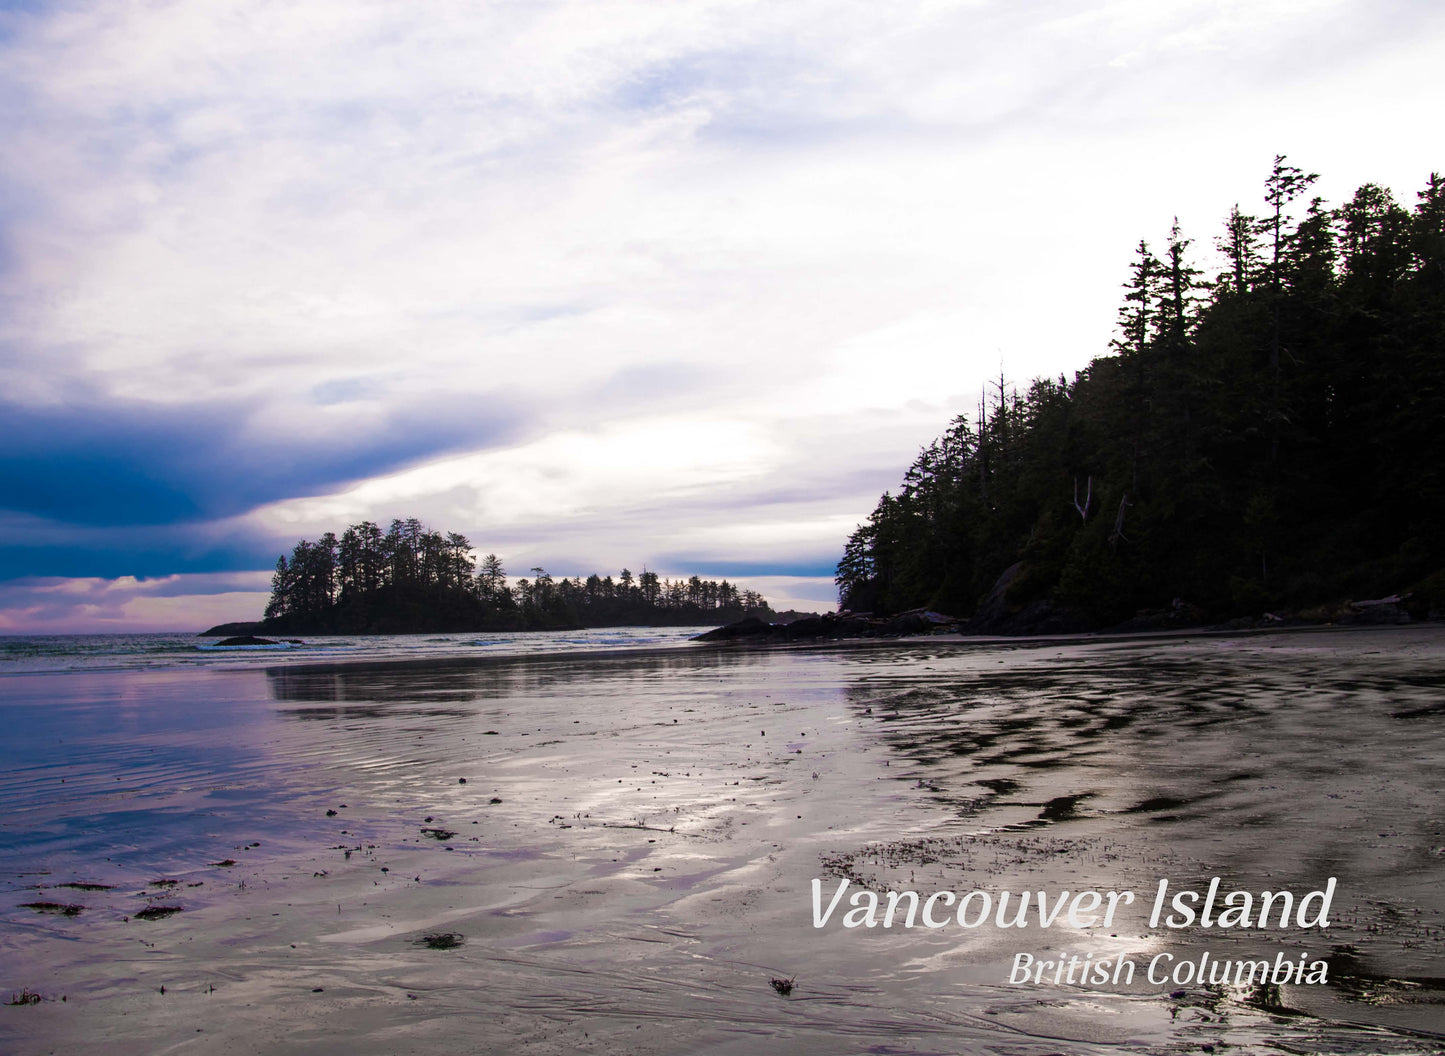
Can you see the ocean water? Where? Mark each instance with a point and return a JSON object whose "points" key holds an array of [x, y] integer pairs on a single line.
{"points": [[23, 654]]}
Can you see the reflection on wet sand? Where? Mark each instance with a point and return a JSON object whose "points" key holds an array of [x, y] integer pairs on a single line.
{"points": [[469, 681], [630, 843], [1281, 761]]}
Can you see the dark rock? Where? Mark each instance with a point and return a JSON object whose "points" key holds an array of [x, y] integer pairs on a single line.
{"points": [[998, 614], [782, 619], [247, 639], [231, 628], [1239, 623], [808, 627], [748, 627], [1180, 614], [907, 623], [828, 626], [992, 612], [1383, 611]]}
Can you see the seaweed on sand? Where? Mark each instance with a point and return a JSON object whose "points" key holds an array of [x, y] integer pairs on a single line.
{"points": [[157, 912], [781, 985], [1267, 997], [441, 940], [68, 909], [25, 997]]}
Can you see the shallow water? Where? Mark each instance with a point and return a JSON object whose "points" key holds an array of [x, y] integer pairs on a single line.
{"points": [[27, 654], [630, 857]]}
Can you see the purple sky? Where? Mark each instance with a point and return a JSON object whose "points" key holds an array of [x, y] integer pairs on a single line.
{"points": [[597, 284]]}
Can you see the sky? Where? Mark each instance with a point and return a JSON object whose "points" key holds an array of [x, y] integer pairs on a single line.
{"points": [[683, 286]]}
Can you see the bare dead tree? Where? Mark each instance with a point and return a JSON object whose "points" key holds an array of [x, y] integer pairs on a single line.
{"points": [[982, 447], [1118, 532], [1088, 494]]}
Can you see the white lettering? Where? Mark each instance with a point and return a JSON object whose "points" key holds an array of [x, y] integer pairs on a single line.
{"points": [[1045, 921], [1155, 960], [949, 897], [820, 919], [1158, 903], [1114, 897], [894, 897], [865, 913], [1086, 901], [1321, 920], [1022, 962], [963, 908], [1204, 920], [1020, 918]]}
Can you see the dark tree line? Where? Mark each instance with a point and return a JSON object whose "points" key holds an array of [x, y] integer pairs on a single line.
{"points": [[1271, 437], [412, 579]]}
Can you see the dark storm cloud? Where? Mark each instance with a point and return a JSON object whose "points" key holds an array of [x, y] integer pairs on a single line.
{"points": [[128, 464], [37, 547], [123, 552]]}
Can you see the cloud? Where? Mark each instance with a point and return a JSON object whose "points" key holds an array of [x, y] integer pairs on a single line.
{"points": [[126, 463], [127, 604], [33, 546]]}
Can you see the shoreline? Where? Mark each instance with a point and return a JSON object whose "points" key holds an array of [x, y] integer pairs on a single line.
{"points": [[865, 642]]}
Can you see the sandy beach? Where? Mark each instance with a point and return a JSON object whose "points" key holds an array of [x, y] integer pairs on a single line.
{"points": [[615, 852]]}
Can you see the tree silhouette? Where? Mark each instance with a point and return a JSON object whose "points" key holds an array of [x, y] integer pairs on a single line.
{"points": [[1271, 438], [414, 579]]}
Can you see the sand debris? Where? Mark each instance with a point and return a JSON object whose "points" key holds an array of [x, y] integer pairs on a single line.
{"points": [[66, 909]]}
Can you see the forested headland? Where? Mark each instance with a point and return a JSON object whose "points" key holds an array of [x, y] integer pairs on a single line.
{"points": [[411, 579], [1268, 438]]}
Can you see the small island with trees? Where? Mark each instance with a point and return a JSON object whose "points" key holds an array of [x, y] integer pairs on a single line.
{"points": [[410, 579]]}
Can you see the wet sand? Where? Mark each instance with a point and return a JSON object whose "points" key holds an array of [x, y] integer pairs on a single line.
{"points": [[629, 859]]}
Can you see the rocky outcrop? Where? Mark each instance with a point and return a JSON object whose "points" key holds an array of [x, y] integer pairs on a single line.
{"points": [[1377, 611], [793, 616], [1178, 616], [748, 627], [832, 625], [998, 614], [993, 611], [232, 628]]}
